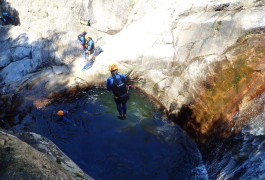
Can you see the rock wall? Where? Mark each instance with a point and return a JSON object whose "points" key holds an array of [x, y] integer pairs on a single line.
{"points": [[204, 61], [180, 50], [175, 51], [107, 16], [19, 160]]}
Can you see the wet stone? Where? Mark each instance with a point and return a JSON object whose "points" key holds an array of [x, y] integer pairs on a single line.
{"points": [[2, 142]]}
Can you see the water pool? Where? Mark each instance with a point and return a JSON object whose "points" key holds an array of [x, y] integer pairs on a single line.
{"points": [[144, 146]]}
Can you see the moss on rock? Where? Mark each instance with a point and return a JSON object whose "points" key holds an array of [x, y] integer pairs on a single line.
{"points": [[240, 78]]}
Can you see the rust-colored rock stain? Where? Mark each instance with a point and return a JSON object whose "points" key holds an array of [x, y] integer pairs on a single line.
{"points": [[240, 79]]}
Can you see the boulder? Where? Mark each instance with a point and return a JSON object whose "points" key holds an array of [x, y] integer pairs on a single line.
{"points": [[21, 53], [19, 160]]}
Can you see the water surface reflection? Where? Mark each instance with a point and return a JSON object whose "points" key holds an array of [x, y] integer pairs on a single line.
{"points": [[144, 146]]}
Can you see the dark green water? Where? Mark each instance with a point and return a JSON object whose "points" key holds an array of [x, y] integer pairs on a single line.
{"points": [[144, 146]]}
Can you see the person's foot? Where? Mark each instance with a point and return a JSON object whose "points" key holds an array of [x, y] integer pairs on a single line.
{"points": [[120, 117], [124, 116]]}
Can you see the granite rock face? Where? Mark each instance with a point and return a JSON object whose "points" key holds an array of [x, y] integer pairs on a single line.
{"points": [[34, 157], [204, 61]]}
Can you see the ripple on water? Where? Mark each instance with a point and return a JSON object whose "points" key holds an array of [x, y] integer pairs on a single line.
{"points": [[141, 147]]}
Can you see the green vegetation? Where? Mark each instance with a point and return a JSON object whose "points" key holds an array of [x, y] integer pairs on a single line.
{"points": [[131, 3], [232, 81], [58, 160], [217, 26], [79, 175]]}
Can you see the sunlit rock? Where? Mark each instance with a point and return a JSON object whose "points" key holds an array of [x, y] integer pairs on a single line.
{"points": [[203, 60]]}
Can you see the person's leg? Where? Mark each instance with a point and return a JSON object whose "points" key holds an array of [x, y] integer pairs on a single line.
{"points": [[4, 21], [8, 20], [119, 108], [124, 110], [83, 47], [84, 54]]}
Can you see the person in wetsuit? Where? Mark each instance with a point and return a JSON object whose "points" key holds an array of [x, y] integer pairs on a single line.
{"points": [[63, 116], [117, 84]]}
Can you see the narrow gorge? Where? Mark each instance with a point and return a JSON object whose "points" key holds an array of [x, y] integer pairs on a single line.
{"points": [[201, 64]]}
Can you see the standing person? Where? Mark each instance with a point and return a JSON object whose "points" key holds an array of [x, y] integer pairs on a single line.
{"points": [[117, 85], [89, 47], [81, 38]]}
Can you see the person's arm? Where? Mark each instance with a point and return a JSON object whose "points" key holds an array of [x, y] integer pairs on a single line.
{"points": [[82, 40], [65, 111], [109, 84], [123, 75], [66, 119]]}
